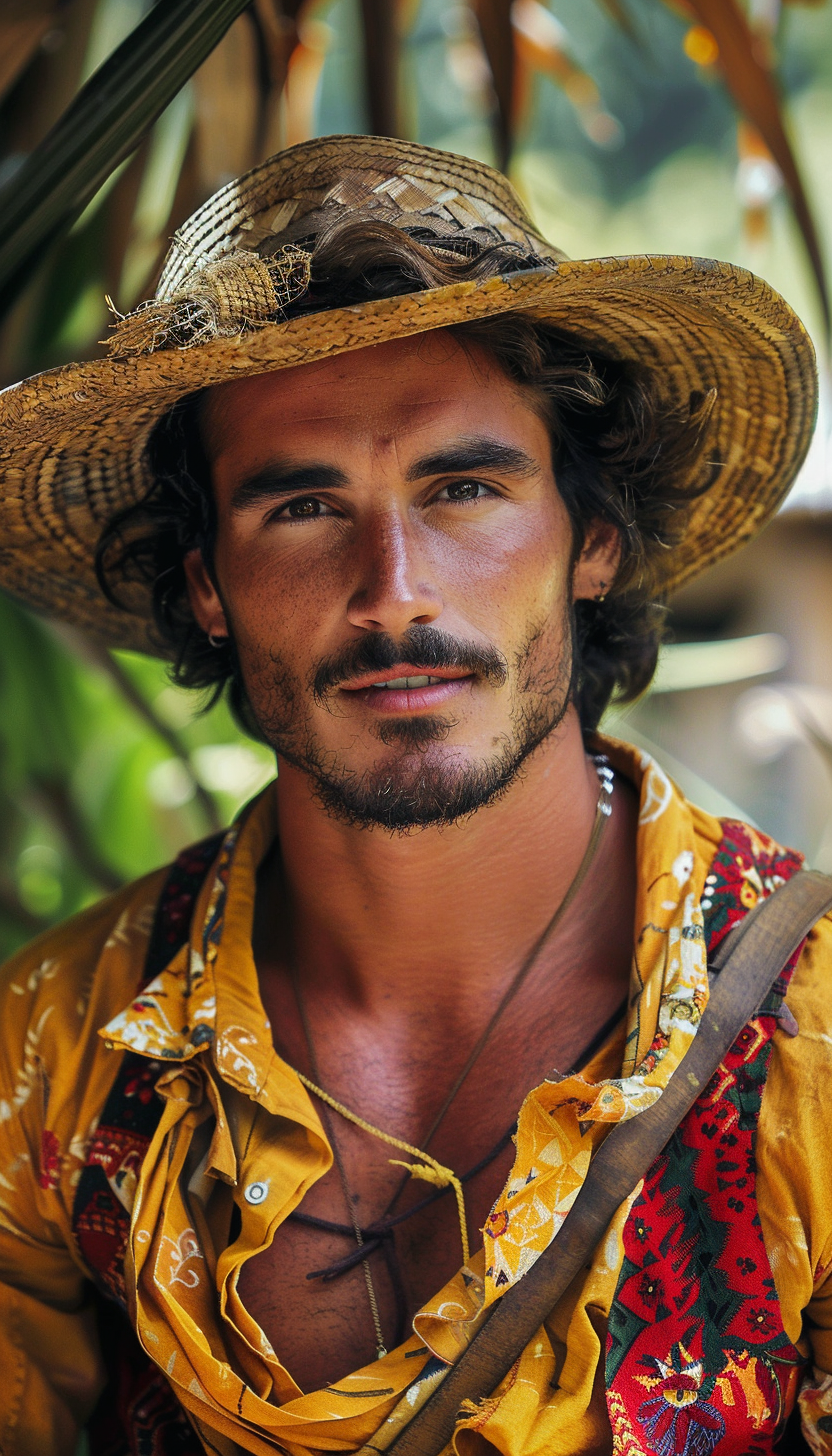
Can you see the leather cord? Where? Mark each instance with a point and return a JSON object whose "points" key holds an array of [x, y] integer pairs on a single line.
{"points": [[384, 1227]]}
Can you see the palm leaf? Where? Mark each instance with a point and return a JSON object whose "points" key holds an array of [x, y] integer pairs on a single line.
{"points": [[753, 88], [541, 44], [621, 16], [303, 78], [278, 32], [227, 107], [104, 123], [381, 65], [494, 20], [22, 29]]}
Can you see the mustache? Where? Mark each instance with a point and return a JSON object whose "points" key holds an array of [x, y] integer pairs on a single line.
{"points": [[422, 647]]}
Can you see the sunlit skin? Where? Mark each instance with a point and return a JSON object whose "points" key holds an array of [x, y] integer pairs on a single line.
{"points": [[343, 510]]}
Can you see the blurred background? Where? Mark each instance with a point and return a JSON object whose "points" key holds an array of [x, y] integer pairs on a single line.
{"points": [[628, 126]]}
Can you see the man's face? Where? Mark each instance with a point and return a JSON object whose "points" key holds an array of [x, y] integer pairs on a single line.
{"points": [[394, 564]]}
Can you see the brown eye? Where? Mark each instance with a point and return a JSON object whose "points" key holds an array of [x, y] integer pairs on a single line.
{"points": [[465, 490], [302, 509]]}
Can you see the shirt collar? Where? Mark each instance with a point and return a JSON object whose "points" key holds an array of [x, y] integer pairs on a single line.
{"points": [[208, 995], [207, 999], [175, 1015]]}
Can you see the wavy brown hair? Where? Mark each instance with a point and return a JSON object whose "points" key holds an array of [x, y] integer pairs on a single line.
{"points": [[620, 453]]}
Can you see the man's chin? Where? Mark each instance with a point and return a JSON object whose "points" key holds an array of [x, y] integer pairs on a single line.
{"points": [[414, 789]]}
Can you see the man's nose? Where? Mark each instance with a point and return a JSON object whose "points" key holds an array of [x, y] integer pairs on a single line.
{"points": [[394, 589]]}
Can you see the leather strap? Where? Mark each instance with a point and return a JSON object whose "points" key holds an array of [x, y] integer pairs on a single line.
{"points": [[748, 961]]}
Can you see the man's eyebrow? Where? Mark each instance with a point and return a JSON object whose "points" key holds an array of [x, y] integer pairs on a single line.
{"points": [[479, 453], [276, 480]]}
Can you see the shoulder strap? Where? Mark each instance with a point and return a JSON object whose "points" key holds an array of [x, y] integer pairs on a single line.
{"points": [[749, 960]]}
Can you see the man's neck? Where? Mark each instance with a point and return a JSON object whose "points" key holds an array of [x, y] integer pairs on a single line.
{"points": [[403, 948], [379, 919]]}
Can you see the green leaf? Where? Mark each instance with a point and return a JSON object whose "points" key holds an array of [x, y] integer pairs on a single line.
{"points": [[494, 19], [105, 122], [754, 89]]}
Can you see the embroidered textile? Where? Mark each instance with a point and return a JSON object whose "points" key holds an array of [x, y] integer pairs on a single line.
{"points": [[697, 1357]]}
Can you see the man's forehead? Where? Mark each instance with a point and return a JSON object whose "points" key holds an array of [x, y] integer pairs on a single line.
{"points": [[396, 387]]}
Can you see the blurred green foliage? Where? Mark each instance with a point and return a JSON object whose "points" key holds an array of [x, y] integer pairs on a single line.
{"points": [[92, 792]]}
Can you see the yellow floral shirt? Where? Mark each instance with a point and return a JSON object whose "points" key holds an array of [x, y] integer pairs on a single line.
{"points": [[68, 1010]]}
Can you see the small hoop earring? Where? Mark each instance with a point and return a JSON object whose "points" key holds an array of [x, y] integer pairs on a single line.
{"points": [[216, 641], [601, 597]]}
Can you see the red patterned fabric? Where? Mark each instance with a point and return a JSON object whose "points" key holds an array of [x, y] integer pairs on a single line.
{"points": [[697, 1357]]}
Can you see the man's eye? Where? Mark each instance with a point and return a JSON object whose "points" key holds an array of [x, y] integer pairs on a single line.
{"points": [[465, 490], [305, 508]]}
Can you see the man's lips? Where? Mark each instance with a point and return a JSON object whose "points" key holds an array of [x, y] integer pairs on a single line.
{"points": [[433, 688], [400, 671]]}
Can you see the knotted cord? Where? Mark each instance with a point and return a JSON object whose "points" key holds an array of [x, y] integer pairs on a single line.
{"points": [[429, 1169]]}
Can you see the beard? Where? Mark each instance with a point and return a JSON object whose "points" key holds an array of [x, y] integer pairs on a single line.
{"points": [[422, 782]]}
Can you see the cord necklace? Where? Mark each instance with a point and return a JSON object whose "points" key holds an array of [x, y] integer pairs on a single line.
{"points": [[427, 1168]]}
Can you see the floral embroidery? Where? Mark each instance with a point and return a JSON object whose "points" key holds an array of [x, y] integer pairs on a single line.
{"points": [[696, 1320], [173, 1016], [46, 971], [816, 1409], [142, 1083], [677, 1417], [182, 1251], [28, 1073]]}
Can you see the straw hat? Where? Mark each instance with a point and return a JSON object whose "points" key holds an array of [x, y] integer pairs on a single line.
{"points": [[72, 441]]}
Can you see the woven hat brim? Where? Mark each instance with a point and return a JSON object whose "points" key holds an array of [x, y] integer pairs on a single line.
{"points": [[74, 439]]}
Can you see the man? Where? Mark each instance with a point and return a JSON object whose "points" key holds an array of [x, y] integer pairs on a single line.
{"points": [[412, 485]]}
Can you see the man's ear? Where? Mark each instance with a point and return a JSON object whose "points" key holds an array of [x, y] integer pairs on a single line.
{"points": [[596, 567], [203, 596]]}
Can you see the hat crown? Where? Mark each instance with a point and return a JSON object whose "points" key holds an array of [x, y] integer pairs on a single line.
{"points": [[293, 195]]}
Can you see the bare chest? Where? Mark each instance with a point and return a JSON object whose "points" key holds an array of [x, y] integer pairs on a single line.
{"points": [[326, 1324], [397, 1073], [320, 1317]]}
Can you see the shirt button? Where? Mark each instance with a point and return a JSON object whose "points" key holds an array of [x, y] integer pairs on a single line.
{"points": [[256, 1192]]}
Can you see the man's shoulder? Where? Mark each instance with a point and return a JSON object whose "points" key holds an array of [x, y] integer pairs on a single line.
{"points": [[802, 1047], [73, 977], [810, 992], [793, 1148], [744, 866], [72, 941]]}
